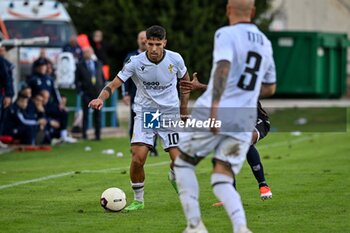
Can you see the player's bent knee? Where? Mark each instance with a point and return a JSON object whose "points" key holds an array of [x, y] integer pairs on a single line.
{"points": [[189, 159], [222, 167]]}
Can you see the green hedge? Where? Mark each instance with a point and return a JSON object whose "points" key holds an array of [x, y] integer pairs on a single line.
{"points": [[190, 25]]}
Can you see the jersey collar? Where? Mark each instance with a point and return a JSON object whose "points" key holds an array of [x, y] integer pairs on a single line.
{"points": [[164, 52]]}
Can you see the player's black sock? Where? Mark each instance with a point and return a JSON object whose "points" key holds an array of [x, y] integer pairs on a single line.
{"points": [[253, 159]]}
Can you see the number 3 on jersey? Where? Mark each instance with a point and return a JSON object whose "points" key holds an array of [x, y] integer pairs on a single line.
{"points": [[248, 78]]}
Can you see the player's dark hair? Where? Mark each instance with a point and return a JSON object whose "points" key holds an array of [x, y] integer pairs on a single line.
{"points": [[156, 32], [21, 96]]}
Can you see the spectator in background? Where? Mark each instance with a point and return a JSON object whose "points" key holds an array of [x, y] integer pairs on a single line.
{"points": [[36, 111], [89, 82], [53, 129], [6, 89], [129, 88], [74, 48], [42, 56], [26, 91], [100, 46], [18, 124], [54, 108]]}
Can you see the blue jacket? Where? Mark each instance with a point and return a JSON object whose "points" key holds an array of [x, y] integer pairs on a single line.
{"points": [[39, 82], [6, 79], [17, 117], [129, 87]]}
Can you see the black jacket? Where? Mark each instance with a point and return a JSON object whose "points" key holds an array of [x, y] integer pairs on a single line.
{"points": [[6, 79], [83, 79]]}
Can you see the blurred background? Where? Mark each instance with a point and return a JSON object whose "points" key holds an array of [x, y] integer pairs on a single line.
{"points": [[310, 40]]}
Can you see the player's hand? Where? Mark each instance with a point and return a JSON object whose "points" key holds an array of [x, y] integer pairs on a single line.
{"points": [[96, 104], [54, 124], [42, 123], [187, 86], [6, 102], [126, 100]]}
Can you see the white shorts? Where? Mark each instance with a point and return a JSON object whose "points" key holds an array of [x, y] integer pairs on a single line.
{"points": [[169, 137], [226, 148]]}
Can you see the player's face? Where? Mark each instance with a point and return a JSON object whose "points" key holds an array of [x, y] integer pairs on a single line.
{"points": [[155, 49], [22, 103], [42, 69]]}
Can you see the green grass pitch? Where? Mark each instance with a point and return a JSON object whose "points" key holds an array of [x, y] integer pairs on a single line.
{"points": [[59, 191]]}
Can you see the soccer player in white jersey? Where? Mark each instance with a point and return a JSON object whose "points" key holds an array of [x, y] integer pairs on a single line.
{"points": [[155, 73], [243, 68]]}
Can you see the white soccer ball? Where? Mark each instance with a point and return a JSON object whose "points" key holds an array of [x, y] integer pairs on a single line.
{"points": [[113, 199]]}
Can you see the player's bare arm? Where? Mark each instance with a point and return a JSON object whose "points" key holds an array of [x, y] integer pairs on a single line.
{"points": [[106, 92], [184, 97], [220, 79], [187, 86], [267, 90]]}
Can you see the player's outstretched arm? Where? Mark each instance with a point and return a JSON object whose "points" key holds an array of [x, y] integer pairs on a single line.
{"points": [[220, 79], [106, 92]]}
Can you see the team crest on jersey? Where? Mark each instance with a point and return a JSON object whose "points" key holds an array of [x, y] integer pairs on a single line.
{"points": [[142, 68], [170, 68]]}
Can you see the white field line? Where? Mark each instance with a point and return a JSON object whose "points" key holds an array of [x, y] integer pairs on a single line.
{"points": [[107, 170], [72, 173], [36, 180]]}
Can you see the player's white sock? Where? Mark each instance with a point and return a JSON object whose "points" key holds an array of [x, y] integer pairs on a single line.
{"points": [[225, 192], [64, 134], [188, 190], [139, 190]]}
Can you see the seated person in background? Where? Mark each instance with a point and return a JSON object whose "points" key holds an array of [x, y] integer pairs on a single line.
{"points": [[26, 91], [54, 124], [36, 111], [54, 108], [19, 125]]}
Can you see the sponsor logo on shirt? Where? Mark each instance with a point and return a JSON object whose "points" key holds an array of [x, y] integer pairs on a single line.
{"points": [[155, 86], [170, 68]]}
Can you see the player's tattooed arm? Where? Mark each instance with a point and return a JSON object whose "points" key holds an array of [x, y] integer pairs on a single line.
{"points": [[220, 79], [108, 90]]}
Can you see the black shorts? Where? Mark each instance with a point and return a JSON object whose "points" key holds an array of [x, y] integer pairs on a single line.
{"points": [[262, 127]]}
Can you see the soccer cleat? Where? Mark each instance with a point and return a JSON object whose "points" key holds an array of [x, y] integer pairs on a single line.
{"points": [[244, 229], [200, 228], [56, 141], [3, 145], [135, 205], [69, 140], [265, 193]]}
